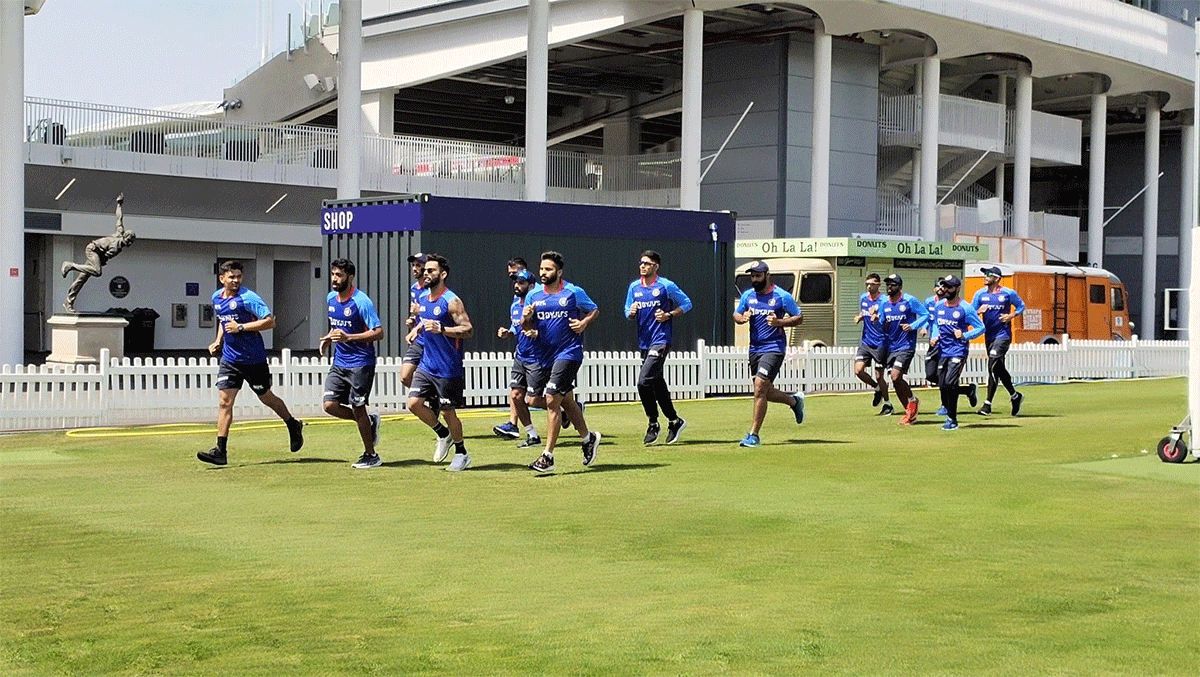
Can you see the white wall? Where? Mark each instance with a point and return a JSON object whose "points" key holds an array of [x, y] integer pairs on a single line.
{"points": [[158, 271]]}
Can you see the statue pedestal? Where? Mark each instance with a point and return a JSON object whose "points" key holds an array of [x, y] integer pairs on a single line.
{"points": [[78, 339]]}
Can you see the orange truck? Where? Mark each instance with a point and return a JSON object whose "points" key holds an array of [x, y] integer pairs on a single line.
{"points": [[1084, 303]]}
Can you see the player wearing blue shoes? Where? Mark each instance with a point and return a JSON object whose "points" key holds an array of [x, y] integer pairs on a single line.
{"points": [[354, 327], [526, 367], [769, 310], [655, 302], [998, 305], [560, 312], [955, 323]]}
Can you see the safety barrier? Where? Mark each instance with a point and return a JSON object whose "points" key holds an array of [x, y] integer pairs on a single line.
{"points": [[145, 391]]}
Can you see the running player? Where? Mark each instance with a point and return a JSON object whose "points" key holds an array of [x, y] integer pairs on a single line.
{"points": [[932, 354], [955, 323], [560, 312], [354, 327], [871, 349], [654, 302], [901, 315], [241, 316], [998, 305], [769, 310], [518, 411], [412, 355], [443, 322], [526, 363]]}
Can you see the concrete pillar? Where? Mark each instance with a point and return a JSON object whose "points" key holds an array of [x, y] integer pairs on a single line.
{"points": [[818, 225], [379, 113], [1096, 178], [931, 92], [1149, 317], [12, 182], [349, 144], [1022, 153], [622, 132], [1002, 168], [693, 87], [537, 83], [1187, 220]]}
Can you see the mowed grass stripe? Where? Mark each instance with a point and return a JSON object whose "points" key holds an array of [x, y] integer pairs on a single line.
{"points": [[848, 546]]}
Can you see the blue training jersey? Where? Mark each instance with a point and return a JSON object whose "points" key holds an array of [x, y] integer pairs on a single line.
{"points": [[773, 301], [872, 332], [354, 316], [647, 298], [553, 311], [244, 347], [991, 305], [414, 295], [443, 356], [946, 319], [528, 349], [894, 314]]}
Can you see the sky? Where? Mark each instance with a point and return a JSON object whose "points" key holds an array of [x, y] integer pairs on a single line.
{"points": [[148, 53]]}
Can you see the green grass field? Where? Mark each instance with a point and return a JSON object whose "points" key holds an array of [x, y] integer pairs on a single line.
{"points": [[846, 546]]}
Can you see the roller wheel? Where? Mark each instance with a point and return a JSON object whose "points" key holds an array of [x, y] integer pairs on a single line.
{"points": [[1172, 450]]}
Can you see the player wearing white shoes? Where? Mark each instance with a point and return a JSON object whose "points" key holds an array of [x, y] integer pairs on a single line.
{"points": [[354, 327], [654, 302], [443, 322]]}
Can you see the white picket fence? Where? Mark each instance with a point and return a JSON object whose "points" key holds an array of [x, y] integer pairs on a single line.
{"points": [[148, 391]]}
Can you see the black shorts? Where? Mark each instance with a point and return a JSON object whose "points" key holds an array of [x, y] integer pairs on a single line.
{"points": [[447, 391], [900, 360], [412, 355], [932, 357], [562, 377], [525, 374], [350, 385], [997, 348], [950, 370], [230, 376], [871, 354], [653, 360], [765, 365]]}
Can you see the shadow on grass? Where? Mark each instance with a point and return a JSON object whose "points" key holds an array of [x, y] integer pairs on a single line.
{"points": [[610, 467], [807, 441], [304, 459]]}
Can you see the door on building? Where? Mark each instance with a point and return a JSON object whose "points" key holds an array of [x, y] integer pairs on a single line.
{"points": [[37, 262], [291, 305]]}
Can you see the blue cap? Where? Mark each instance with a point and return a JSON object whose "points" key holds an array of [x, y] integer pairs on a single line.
{"points": [[758, 267], [950, 281], [992, 270], [522, 275]]}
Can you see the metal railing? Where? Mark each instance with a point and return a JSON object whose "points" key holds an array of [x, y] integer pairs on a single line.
{"points": [[399, 164]]}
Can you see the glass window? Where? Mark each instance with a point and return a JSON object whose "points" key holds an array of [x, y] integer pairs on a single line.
{"points": [[1096, 293], [785, 281], [1118, 299], [816, 288]]}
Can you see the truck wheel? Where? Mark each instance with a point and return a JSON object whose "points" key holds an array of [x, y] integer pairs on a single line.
{"points": [[1118, 337], [1172, 450], [1050, 341]]}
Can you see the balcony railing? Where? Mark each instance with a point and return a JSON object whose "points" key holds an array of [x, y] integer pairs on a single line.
{"points": [[394, 164]]}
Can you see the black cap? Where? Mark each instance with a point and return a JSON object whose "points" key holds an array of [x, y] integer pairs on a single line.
{"points": [[758, 267], [418, 258], [992, 270], [950, 281], [894, 279]]}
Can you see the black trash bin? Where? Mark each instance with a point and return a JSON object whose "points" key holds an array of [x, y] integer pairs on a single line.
{"points": [[127, 314], [139, 335]]}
